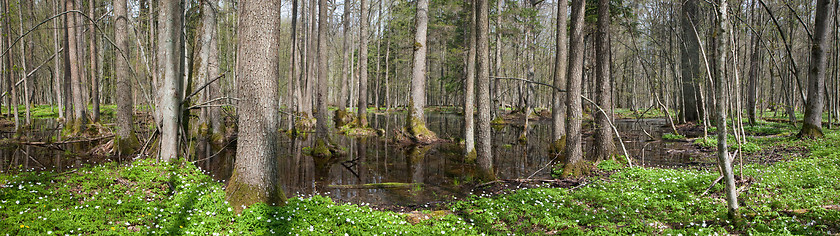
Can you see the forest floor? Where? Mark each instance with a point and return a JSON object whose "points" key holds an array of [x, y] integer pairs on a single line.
{"points": [[787, 186]]}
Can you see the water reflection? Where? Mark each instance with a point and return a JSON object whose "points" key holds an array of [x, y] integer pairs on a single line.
{"points": [[375, 171]]}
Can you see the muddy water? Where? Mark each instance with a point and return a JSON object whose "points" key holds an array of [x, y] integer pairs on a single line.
{"points": [[378, 172]]}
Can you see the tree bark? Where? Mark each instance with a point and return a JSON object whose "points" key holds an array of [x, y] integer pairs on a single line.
{"points": [[363, 61], [79, 121], [558, 108], [604, 145], [94, 66], [170, 79], [574, 165], [208, 69], [690, 61], [416, 123], [345, 65], [321, 125], [126, 138], [755, 60], [469, 89], [254, 177], [294, 69], [57, 79], [812, 126], [484, 154], [721, 36]]}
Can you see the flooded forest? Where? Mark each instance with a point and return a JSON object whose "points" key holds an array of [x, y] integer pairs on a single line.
{"points": [[419, 117]]}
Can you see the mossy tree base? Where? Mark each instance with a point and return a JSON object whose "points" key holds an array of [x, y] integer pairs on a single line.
{"points": [[126, 145], [240, 194], [418, 133], [342, 118], [810, 131], [470, 157], [576, 169], [558, 147]]}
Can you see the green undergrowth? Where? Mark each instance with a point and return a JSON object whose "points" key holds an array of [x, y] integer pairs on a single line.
{"points": [[146, 197], [711, 142]]}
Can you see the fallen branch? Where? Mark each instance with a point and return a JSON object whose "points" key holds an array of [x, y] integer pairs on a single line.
{"points": [[711, 186], [67, 142]]}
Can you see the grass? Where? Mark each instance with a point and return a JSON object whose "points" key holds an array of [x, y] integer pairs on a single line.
{"points": [[48, 111], [146, 197]]}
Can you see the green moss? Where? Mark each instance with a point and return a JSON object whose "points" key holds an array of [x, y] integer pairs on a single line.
{"points": [[470, 156], [810, 131], [241, 195], [671, 136], [498, 121], [320, 149], [576, 169], [558, 147], [387, 185], [126, 145], [417, 129]]}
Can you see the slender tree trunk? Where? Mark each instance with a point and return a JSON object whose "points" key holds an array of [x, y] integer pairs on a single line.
{"points": [[574, 165], [171, 81], [57, 79], [558, 108], [812, 126], [484, 154], [416, 123], [755, 60], [208, 69], [469, 89], [497, 67], [126, 138], [79, 117], [94, 66], [254, 177], [27, 99], [604, 145], [294, 68], [363, 61], [388, 101], [721, 36]]}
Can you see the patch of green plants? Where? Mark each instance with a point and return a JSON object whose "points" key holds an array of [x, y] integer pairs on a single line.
{"points": [[609, 165], [672, 136]]}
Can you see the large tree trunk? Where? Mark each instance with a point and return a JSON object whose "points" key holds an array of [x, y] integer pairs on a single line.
{"points": [[363, 61], [254, 177], [79, 121], [574, 165], [558, 109], [812, 126], [484, 154], [170, 91], [321, 125], [7, 68], [94, 66], [721, 36], [604, 145], [690, 61], [469, 90], [126, 138], [345, 66], [416, 123]]}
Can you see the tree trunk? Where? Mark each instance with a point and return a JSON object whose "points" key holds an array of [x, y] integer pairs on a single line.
{"points": [[321, 125], [57, 80], [721, 36], [254, 177], [416, 123], [558, 108], [208, 69], [294, 68], [812, 126], [469, 90], [497, 67], [574, 165], [171, 81], [27, 98], [345, 66], [94, 66], [79, 122], [484, 154], [604, 145], [755, 60], [126, 138], [690, 61], [363, 61]]}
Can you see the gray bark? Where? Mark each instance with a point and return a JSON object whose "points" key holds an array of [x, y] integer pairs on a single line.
{"points": [[94, 66], [79, 116], [604, 145], [469, 88], [125, 104], [574, 111], [345, 63], [57, 79], [484, 155], [321, 125], [170, 79], [812, 126], [690, 61], [254, 177], [416, 120], [558, 108], [363, 61], [721, 36]]}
